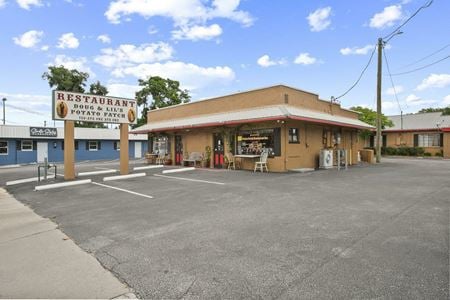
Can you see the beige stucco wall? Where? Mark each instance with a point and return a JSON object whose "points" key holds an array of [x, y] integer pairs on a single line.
{"points": [[263, 97], [446, 147], [406, 139]]}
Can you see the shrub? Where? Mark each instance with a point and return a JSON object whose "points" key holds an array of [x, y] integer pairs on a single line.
{"points": [[427, 154], [440, 153]]}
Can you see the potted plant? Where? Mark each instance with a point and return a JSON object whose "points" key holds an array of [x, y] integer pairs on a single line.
{"points": [[206, 162]]}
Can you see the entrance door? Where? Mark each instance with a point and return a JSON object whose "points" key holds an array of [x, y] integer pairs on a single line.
{"points": [[42, 151], [137, 149], [178, 150], [218, 151]]}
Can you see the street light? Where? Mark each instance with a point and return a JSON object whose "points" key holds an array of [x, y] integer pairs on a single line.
{"points": [[4, 118]]}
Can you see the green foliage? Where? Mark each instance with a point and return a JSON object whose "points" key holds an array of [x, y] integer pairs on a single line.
{"points": [[427, 154], [444, 110], [98, 89], [163, 92], [440, 153], [403, 151], [66, 80], [369, 116]]}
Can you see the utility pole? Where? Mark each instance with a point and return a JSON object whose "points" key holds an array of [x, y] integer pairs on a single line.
{"points": [[378, 146], [4, 115]]}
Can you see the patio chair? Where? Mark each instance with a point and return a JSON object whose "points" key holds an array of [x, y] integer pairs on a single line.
{"points": [[262, 163], [231, 161], [161, 158]]}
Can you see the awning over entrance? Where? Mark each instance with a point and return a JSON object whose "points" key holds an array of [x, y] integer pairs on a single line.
{"points": [[260, 114]]}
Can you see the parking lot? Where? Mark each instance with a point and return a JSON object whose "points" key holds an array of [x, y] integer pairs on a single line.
{"points": [[378, 231]]}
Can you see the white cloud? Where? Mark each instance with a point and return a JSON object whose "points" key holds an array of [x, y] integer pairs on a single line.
{"points": [[182, 12], [319, 19], [70, 63], [389, 105], [127, 54], [29, 39], [387, 17], [68, 40], [357, 51], [45, 48], [413, 100], [398, 89], [104, 38], [2, 3], [26, 4], [122, 90], [434, 81], [265, 61], [305, 59], [446, 101], [197, 32], [191, 76]]}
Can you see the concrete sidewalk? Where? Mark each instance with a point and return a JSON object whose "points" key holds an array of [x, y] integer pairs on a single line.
{"points": [[39, 261]]}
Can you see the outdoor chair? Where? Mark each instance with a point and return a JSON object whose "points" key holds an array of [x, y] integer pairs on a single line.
{"points": [[262, 163], [231, 162], [161, 159]]}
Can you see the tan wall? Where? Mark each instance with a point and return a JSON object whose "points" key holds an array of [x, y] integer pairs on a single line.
{"points": [[446, 145], [406, 139], [256, 98]]}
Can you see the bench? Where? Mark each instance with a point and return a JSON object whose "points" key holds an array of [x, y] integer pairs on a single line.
{"points": [[193, 158]]}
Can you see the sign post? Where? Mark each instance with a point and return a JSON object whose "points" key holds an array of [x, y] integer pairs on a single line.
{"points": [[70, 107]]}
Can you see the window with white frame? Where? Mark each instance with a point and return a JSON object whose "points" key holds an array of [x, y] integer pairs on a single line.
{"points": [[93, 146], [3, 147], [429, 140], [117, 145], [27, 145]]}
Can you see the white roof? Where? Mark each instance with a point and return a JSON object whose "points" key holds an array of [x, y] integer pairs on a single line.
{"points": [[432, 121], [23, 132], [252, 115]]}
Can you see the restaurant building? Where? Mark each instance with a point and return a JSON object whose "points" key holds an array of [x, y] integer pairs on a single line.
{"points": [[292, 125], [430, 131]]}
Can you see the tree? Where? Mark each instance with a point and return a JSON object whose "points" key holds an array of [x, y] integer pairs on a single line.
{"points": [[66, 80], [73, 80], [444, 110], [163, 92], [369, 116]]}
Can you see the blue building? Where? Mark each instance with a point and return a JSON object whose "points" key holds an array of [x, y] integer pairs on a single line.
{"points": [[25, 144]]}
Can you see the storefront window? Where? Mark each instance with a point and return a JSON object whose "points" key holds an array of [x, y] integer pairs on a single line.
{"points": [[293, 136], [27, 146], [259, 140], [161, 144], [3, 147]]}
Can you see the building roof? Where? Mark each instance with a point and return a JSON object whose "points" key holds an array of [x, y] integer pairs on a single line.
{"points": [[23, 132], [260, 114], [420, 122]]}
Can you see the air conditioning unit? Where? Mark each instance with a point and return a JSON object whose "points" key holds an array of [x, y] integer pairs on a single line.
{"points": [[326, 159]]}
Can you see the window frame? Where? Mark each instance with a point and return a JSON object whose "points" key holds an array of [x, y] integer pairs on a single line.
{"points": [[7, 147], [291, 134], [116, 145], [425, 137], [26, 149], [92, 143]]}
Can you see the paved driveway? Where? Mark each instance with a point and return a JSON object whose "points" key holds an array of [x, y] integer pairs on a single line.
{"points": [[369, 232]]}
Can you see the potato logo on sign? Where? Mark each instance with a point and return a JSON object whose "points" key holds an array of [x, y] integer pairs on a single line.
{"points": [[61, 109], [131, 115]]}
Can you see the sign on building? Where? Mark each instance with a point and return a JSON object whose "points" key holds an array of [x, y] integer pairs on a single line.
{"points": [[69, 106], [43, 131]]}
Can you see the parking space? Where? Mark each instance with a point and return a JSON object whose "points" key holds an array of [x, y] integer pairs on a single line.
{"points": [[368, 232]]}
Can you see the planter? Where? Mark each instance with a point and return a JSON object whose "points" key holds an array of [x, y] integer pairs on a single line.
{"points": [[168, 162]]}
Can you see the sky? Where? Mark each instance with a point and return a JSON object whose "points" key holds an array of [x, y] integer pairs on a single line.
{"points": [[218, 47]]}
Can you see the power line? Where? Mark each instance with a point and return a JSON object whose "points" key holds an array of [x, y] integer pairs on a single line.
{"points": [[425, 57], [392, 34], [423, 67], [360, 76], [392, 81]]}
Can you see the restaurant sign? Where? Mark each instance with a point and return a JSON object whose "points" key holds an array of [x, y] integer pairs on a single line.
{"points": [[43, 131], [93, 108]]}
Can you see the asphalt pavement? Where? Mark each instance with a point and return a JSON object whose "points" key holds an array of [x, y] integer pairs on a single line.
{"points": [[378, 231]]}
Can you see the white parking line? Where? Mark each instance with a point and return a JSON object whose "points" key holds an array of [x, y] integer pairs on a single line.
{"points": [[122, 190], [25, 180], [178, 170], [118, 177], [148, 167], [189, 179], [108, 171]]}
